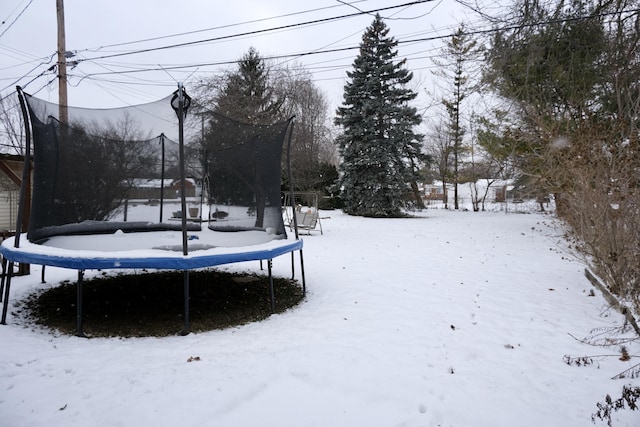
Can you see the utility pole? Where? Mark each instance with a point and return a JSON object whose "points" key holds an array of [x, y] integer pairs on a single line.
{"points": [[62, 64]]}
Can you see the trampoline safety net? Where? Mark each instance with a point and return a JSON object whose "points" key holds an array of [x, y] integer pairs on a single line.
{"points": [[105, 170]]}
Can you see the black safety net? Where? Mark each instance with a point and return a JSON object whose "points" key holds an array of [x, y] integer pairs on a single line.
{"points": [[110, 170], [242, 166]]}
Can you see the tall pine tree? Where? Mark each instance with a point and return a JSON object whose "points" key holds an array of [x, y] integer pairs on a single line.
{"points": [[380, 151], [247, 94]]}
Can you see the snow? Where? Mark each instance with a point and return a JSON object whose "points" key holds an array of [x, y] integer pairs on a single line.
{"points": [[446, 319], [139, 244]]}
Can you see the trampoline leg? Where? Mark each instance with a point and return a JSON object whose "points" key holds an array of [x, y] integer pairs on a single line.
{"points": [[42, 275], [5, 298], [304, 284], [293, 267], [4, 277], [271, 291], [79, 329], [186, 328]]}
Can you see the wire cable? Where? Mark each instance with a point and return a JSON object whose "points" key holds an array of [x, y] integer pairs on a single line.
{"points": [[255, 21], [301, 24], [16, 18]]}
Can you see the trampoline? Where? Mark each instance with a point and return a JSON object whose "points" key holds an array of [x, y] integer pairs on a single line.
{"points": [[75, 253], [86, 208]]}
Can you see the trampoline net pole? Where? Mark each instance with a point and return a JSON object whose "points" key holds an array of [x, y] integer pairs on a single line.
{"points": [[186, 328], [271, 290], [79, 327]]}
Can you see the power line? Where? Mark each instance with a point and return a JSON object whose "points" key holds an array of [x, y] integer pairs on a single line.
{"points": [[322, 51], [254, 21], [272, 57], [16, 18], [29, 72], [390, 18], [19, 55], [481, 31], [247, 33], [111, 72], [319, 21]]}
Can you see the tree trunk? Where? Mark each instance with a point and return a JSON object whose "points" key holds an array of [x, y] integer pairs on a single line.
{"points": [[445, 196], [418, 196]]}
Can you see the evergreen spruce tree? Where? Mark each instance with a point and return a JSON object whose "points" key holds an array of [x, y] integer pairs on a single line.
{"points": [[380, 151], [247, 94]]}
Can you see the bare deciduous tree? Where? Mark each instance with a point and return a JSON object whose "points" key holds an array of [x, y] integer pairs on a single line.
{"points": [[11, 126], [312, 145], [439, 147]]}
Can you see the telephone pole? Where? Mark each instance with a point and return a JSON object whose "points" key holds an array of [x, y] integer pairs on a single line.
{"points": [[62, 64]]}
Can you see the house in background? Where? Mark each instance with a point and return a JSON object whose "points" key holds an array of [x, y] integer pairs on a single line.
{"points": [[435, 192], [10, 181], [189, 187], [150, 189], [11, 167]]}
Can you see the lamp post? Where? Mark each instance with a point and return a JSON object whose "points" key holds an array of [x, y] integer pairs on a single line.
{"points": [[161, 175], [180, 103]]}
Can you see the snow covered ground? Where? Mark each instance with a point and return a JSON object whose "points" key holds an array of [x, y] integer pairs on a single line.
{"points": [[446, 319]]}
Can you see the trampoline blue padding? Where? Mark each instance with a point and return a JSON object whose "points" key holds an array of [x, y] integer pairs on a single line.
{"points": [[155, 257]]}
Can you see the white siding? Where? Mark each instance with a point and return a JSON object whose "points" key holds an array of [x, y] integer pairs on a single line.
{"points": [[8, 209], [9, 194]]}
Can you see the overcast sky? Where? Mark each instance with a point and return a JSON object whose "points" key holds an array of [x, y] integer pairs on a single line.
{"points": [[117, 42]]}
